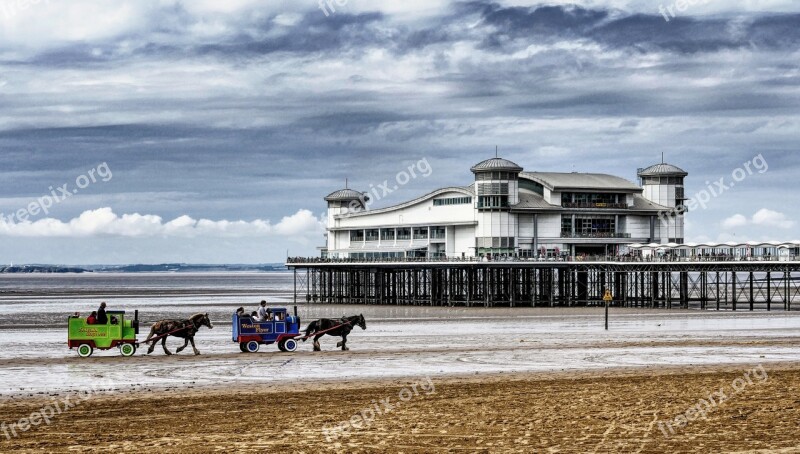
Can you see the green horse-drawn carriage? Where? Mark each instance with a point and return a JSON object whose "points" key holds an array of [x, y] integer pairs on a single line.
{"points": [[119, 332]]}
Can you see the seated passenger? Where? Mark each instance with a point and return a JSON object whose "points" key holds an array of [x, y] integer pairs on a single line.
{"points": [[92, 318], [254, 314], [240, 312], [264, 314]]}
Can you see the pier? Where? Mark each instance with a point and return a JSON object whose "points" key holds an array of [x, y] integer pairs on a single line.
{"points": [[759, 284]]}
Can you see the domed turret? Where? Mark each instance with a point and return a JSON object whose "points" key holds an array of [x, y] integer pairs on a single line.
{"points": [[496, 164], [346, 201], [662, 183], [345, 195], [496, 183], [497, 188], [662, 169]]}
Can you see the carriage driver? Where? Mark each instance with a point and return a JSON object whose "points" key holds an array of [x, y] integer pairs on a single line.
{"points": [[102, 318], [264, 314]]}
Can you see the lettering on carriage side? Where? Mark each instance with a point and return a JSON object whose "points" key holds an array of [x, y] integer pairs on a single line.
{"points": [[93, 332], [265, 329]]}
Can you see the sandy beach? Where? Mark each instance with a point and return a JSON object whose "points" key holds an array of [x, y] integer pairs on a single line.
{"points": [[618, 411], [417, 380]]}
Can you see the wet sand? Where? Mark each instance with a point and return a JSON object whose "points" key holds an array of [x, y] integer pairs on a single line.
{"points": [[456, 344], [610, 411], [506, 380]]}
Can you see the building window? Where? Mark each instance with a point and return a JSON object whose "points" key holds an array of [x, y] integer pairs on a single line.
{"points": [[676, 240], [590, 226], [487, 244], [487, 176], [437, 233], [404, 233], [566, 224], [356, 235], [387, 234], [493, 201], [372, 235], [679, 196], [420, 233], [592, 200], [452, 201], [531, 186], [493, 189], [663, 180]]}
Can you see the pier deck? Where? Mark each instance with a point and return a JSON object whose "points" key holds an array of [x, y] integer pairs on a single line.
{"points": [[718, 285]]}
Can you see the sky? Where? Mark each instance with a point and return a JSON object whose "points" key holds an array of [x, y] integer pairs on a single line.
{"points": [[150, 131]]}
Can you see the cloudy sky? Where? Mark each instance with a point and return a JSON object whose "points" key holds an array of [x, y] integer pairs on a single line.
{"points": [[209, 131]]}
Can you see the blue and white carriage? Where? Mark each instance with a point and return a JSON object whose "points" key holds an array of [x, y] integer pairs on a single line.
{"points": [[282, 328]]}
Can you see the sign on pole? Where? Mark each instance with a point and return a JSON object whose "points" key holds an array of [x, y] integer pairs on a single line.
{"points": [[608, 298]]}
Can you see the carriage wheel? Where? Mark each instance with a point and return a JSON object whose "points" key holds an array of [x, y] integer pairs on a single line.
{"points": [[281, 347], [85, 350], [127, 350], [289, 345], [252, 346], [243, 347]]}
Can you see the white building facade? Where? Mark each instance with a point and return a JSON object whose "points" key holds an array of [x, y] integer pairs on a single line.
{"points": [[509, 212]]}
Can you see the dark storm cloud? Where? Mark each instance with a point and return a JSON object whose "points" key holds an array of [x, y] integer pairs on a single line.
{"points": [[501, 29], [515, 26], [315, 33], [347, 123], [267, 116]]}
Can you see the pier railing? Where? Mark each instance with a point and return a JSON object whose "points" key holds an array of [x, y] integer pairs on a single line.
{"points": [[581, 258]]}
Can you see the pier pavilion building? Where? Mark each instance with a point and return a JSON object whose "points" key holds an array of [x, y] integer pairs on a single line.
{"points": [[507, 211]]}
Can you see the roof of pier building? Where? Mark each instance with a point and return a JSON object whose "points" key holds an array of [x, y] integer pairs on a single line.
{"points": [[496, 164], [558, 181], [345, 195], [662, 169]]}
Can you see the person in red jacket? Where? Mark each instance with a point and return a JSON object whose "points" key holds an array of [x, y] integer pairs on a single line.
{"points": [[92, 318]]}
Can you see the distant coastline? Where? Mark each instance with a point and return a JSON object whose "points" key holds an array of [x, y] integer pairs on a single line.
{"points": [[140, 268], [41, 269]]}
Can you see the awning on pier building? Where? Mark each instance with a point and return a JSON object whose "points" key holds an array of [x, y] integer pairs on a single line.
{"points": [[712, 245]]}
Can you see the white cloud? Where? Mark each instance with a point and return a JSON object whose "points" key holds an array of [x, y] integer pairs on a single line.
{"points": [[763, 218], [770, 218], [301, 226], [737, 220]]}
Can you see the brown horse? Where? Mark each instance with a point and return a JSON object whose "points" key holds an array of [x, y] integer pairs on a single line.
{"points": [[185, 329], [340, 327]]}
